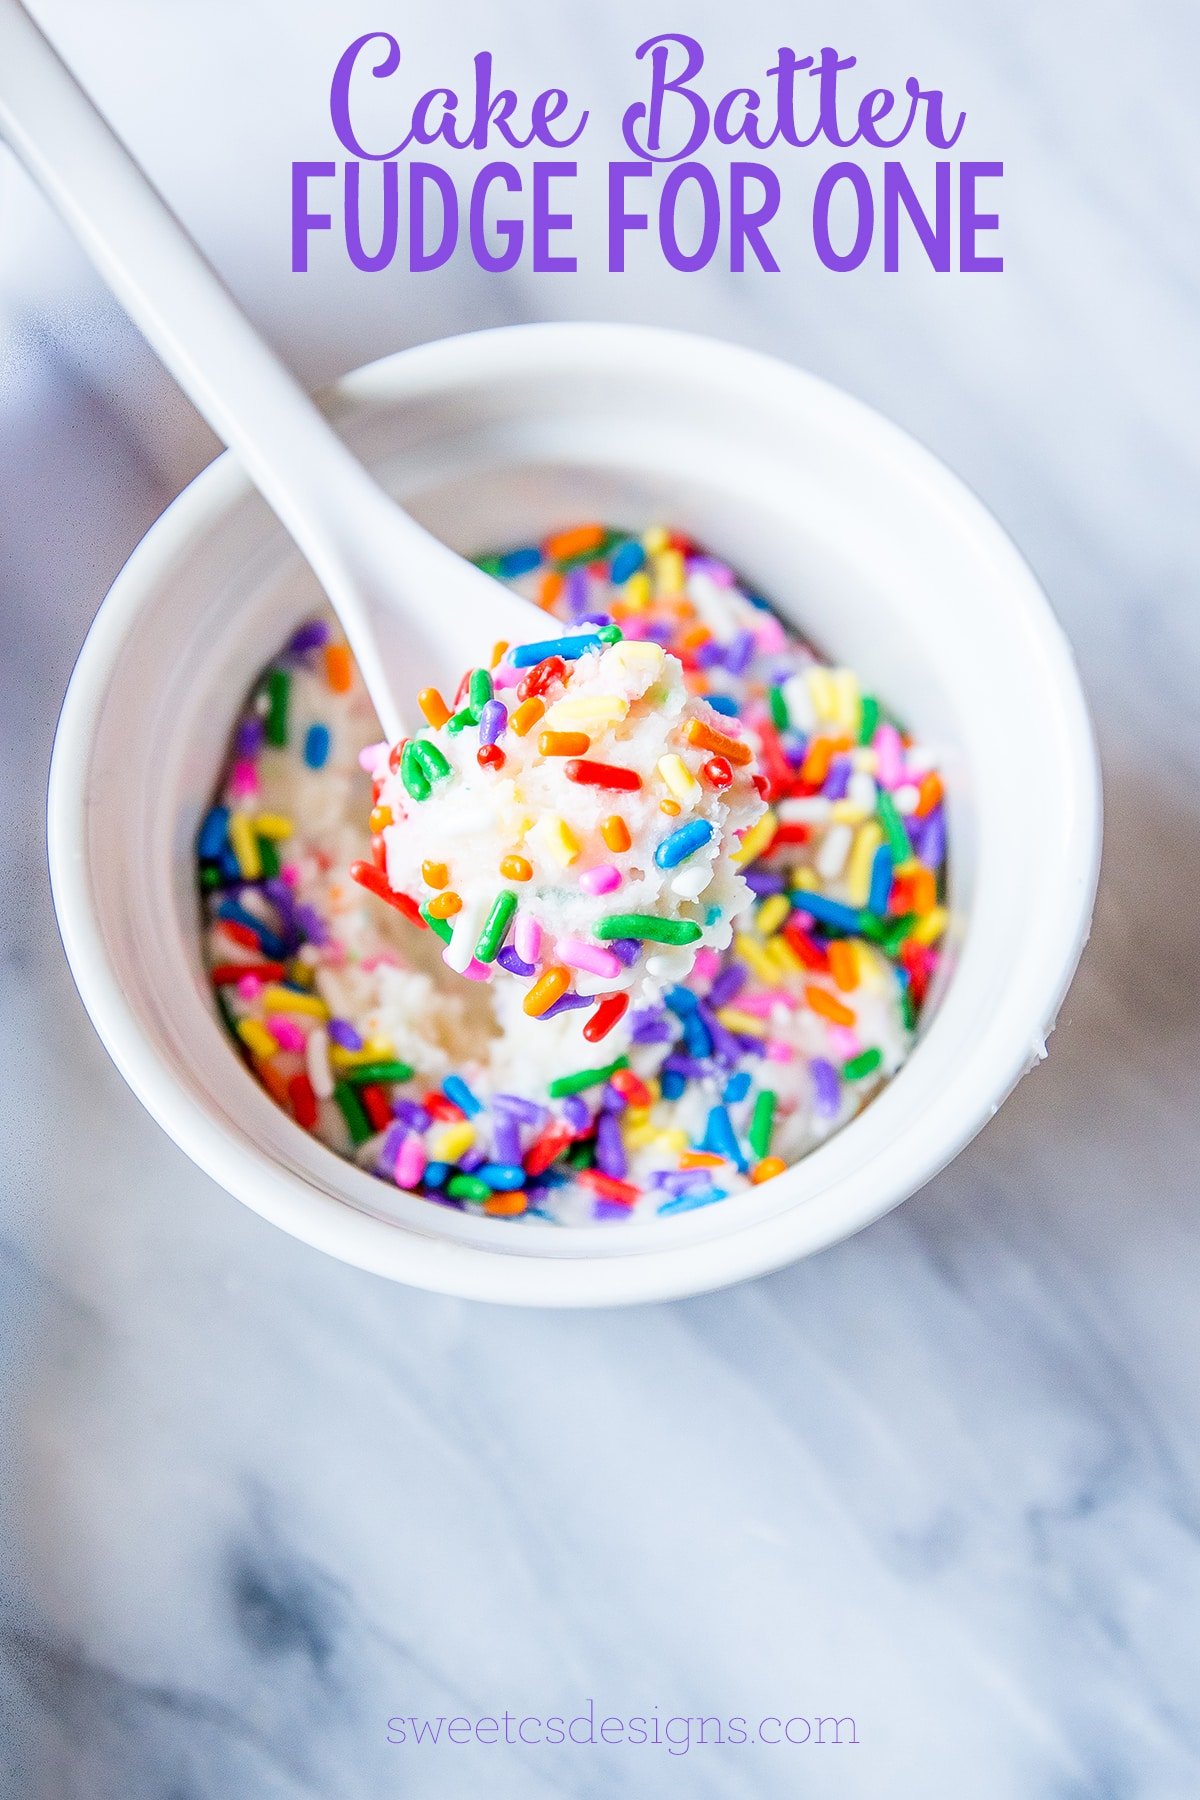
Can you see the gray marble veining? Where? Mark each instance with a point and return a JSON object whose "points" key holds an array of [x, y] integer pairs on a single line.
{"points": [[942, 1478]]}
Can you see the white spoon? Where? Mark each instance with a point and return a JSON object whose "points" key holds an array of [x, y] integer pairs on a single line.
{"points": [[413, 611]]}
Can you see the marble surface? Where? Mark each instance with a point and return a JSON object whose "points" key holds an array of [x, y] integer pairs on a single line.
{"points": [[941, 1479]]}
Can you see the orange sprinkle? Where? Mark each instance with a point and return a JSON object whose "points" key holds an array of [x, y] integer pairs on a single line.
{"points": [[272, 1080], [434, 707], [444, 906], [564, 743], [815, 766], [380, 819], [700, 1159], [550, 986], [498, 650], [527, 716], [827, 1006], [575, 542], [516, 868], [928, 794], [505, 1206], [549, 589], [922, 890], [339, 670], [693, 638], [434, 874], [843, 964], [670, 807], [705, 738], [615, 832], [767, 1168]]}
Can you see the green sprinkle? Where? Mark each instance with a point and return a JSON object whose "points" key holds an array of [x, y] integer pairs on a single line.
{"points": [[412, 774], [387, 1069], [779, 711], [585, 1078], [865, 1063], [610, 634], [870, 926], [491, 565], [460, 721], [268, 856], [468, 1187], [868, 718], [432, 763], [495, 926], [479, 690], [210, 877], [439, 927], [893, 827], [894, 933], [762, 1123], [908, 1010], [279, 687], [580, 1156], [645, 926], [357, 1122]]}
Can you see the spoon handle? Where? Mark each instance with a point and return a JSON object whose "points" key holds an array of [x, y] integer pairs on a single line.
{"points": [[349, 531]]}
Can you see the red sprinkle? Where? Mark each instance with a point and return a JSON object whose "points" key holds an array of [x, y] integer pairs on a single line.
{"points": [[791, 834], [608, 1187], [224, 974], [601, 1021], [394, 755], [543, 1150], [304, 1101], [806, 948], [762, 786], [375, 882], [438, 1107], [601, 775], [539, 678], [241, 934], [375, 1105], [490, 756], [631, 1087], [718, 772]]}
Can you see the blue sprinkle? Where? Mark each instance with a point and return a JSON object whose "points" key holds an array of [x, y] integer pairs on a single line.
{"points": [[505, 1177], [456, 1089], [271, 943], [681, 1001], [697, 1038], [881, 880], [723, 703], [316, 746], [827, 912], [520, 562], [435, 1174], [737, 1087], [720, 1137], [626, 561], [526, 655], [689, 1202], [683, 843], [672, 1084], [211, 841]]}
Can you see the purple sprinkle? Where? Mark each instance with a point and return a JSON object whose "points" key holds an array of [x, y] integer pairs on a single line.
{"points": [[506, 1139], [250, 735], [575, 591], [492, 721], [343, 1033], [510, 961], [609, 1209], [737, 656], [651, 1026], [568, 1003], [838, 779], [709, 654], [628, 949], [309, 637], [577, 1113], [411, 1113], [610, 1151], [471, 1160], [726, 1047], [687, 1066], [762, 882], [660, 632], [826, 1087], [611, 1099], [310, 922], [933, 838], [528, 1112], [678, 1181], [795, 748], [393, 1137], [597, 619], [717, 572], [730, 982]]}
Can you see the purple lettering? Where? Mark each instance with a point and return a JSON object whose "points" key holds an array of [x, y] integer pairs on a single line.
{"points": [[304, 221], [838, 172]]}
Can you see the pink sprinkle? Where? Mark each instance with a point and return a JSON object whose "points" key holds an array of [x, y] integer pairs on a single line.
{"points": [[889, 757], [410, 1162], [290, 873], [769, 633], [249, 987], [333, 954], [707, 964], [372, 758], [243, 782], [475, 970], [287, 1032], [635, 627], [383, 959], [844, 1042], [759, 1006], [578, 954], [778, 1051], [601, 880], [527, 937], [505, 676]]}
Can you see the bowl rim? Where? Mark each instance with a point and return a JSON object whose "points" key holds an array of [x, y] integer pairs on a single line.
{"points": [[663, 1269]]}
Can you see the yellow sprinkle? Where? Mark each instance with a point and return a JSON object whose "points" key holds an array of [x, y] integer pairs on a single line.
{"points": [[757, 838], [872, 970], [752, 952], [784, 957], [846, 702], [670, 573], [678, 777], [592, 709], [635, 1115], [638, 1137], [636, 592], [654, 541], [257, 1039], [772, 913], [822, 693], [557, 839], [672, 1140], [374, 1051], [282, 999], [847, 812], [245, 846], [452, 1141], [858, 864], [274, 826], [733, 1019], [929, 929], [637, 657], [803, 877]]}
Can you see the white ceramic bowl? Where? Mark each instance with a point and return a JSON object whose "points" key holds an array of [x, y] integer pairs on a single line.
{"points": [[855, 532]]}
